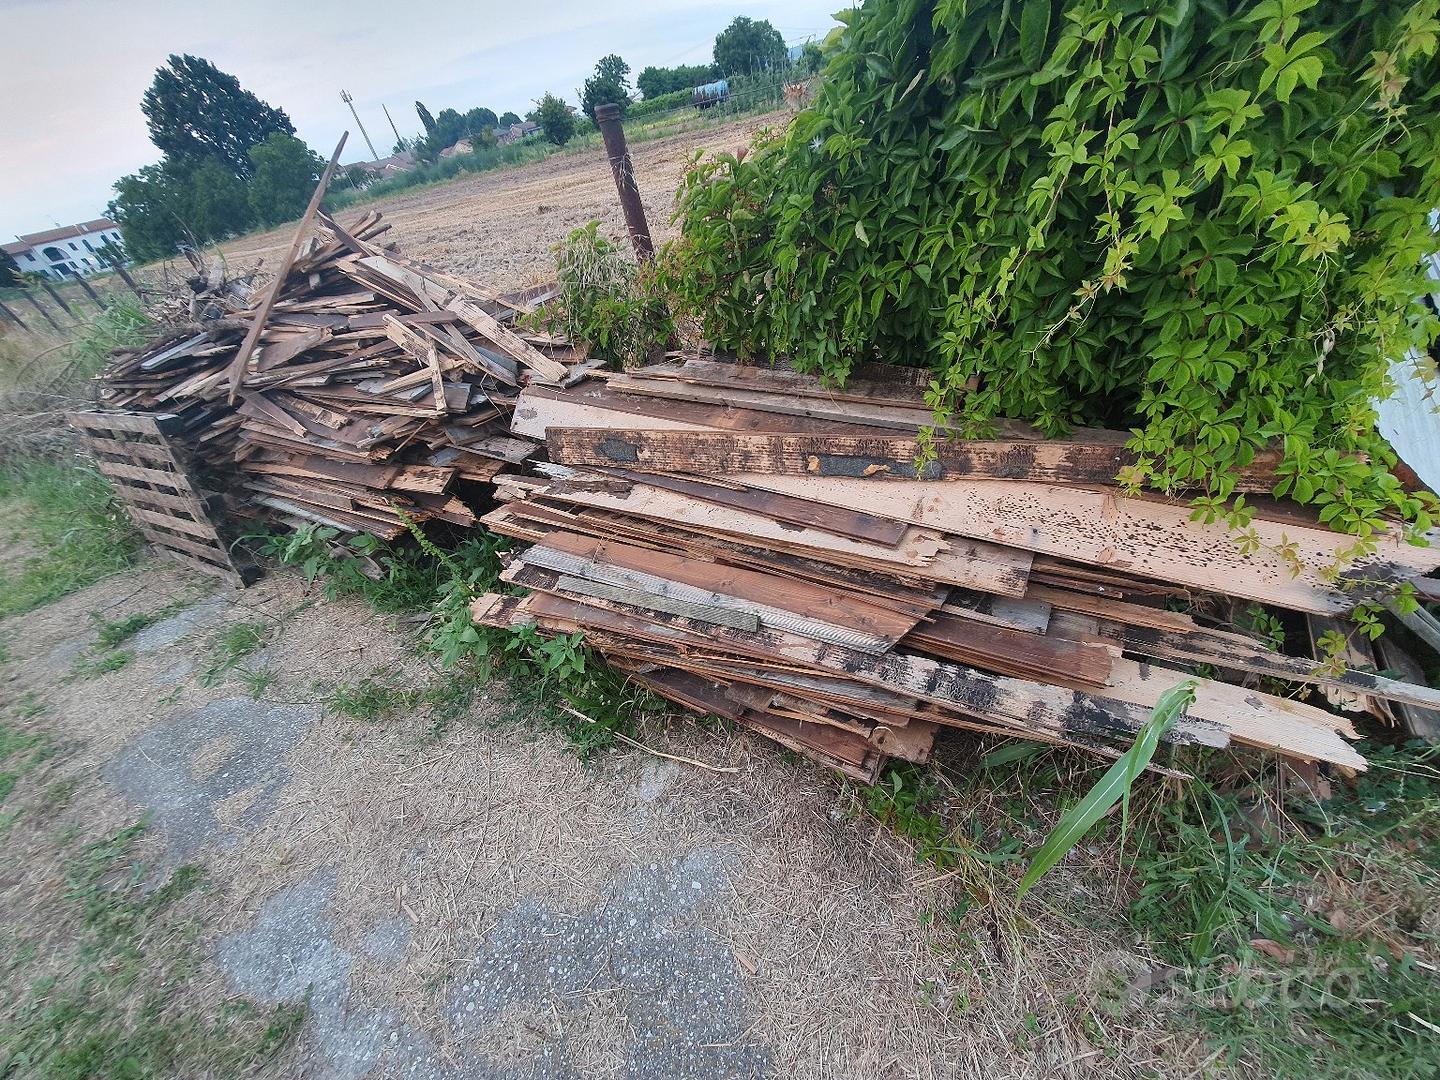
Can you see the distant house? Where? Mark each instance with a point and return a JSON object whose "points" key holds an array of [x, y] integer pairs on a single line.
{"points": [[395, 163], [464, 146], [71, 251], [516, 132]]}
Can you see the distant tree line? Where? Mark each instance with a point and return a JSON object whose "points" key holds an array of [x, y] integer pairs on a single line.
{"points": [[229, 162], [479, 125], [744, 47]]}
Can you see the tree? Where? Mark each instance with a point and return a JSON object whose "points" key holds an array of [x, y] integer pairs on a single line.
{"points": [[172, 203], [555, 119], [479, 120], [196, 111], [747, 46], [610, 85], [9, 271], [426, 120], [655, 81], [811, 58], [508, 118], [286, 172], [449, 129]]}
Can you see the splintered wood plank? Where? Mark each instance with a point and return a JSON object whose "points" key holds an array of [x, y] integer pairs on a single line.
{"points": [[1015, 705], [974, 564], [770, 593], [236, 370], [905, 418], [1249, 716], [1422, 722], [1013, 652], [1093, 460], [541, 566], [870, 383], [827, 518], [595, 405], [509, 342], [1138, 536]]}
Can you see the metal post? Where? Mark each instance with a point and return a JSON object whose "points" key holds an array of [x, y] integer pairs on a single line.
{"points": [[345, 97], [14, 318], [607, 119], [58, 299], [36, 305], [94, 297]]}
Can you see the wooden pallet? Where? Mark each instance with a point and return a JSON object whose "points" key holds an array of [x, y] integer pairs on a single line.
{"points": [[135, 452]]}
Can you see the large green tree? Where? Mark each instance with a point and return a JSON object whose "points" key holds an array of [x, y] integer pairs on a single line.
{"points": [[9, 271], [426, 120], [610, 85], [747, 46], [508, 118], [196, 111], [655, 81], [172, 203], [286, 172], [555, 119]]}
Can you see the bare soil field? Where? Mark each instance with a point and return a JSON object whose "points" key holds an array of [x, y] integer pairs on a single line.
{"points": [[498, 227]]}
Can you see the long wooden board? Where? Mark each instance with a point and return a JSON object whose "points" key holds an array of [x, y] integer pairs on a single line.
{"points": [[879, 458], [1139, 536]]}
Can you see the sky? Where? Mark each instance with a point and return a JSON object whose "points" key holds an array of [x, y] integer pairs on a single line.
{"points": [[72, 71]]}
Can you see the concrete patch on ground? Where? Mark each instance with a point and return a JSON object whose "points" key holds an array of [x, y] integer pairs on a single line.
{"points": [[638, 957], [182, 624], [632, 987], [290, 955], [187, 767]]}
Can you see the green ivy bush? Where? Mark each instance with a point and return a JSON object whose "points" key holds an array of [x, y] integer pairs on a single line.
{"points": [[1198, 221]]}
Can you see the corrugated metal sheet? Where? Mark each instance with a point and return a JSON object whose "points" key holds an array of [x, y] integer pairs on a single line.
{"points": [[1409, 418]]}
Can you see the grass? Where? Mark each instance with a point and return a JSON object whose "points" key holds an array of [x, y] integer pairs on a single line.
{"points": [[110, 634], [113, 1001], [1301, 935], [64, 512], [92, 667], [231, 646]]}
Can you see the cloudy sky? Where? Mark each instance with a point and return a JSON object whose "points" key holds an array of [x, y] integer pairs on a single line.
{"points": [[72, 71]]}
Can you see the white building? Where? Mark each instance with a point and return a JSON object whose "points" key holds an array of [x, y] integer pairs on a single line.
{"points": [[71, 251]]}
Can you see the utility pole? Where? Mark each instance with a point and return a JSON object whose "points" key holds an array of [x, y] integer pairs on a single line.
{"points": [[398, 141], [607, 119], [345, 97]]}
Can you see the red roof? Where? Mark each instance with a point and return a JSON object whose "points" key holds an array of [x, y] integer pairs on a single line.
{"points": [[66, 232]]}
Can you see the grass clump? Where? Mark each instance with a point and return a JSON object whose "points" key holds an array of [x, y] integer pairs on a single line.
{"points": [[65, 512], [92, 667], [230, 647], [113, 1002]]}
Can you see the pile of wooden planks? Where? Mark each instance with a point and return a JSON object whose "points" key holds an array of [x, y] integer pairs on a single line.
{"points": [[360, 391], [753, 544]]}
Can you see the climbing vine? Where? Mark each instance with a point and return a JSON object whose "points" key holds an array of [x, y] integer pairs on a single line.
{"points": [[1202, 222]]}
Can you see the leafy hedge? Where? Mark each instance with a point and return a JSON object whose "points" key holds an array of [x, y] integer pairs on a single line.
{"points": [[1202, 221], [660, 103]]}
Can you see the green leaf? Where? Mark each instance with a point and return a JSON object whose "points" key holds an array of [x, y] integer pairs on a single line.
{"points": [[1034, 29], [860, 233], [1111, 787]]}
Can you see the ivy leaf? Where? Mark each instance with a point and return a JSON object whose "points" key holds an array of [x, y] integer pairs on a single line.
{"points": [[860, 233], [1034, 29]]}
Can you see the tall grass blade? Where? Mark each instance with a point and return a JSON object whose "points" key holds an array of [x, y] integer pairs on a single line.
{"points": [[1111, 787]]}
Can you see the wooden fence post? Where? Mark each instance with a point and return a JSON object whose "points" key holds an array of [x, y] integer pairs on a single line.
{"points": [[58, 299], [607, 119], [36, 305], [94, 297], [14, 318]]}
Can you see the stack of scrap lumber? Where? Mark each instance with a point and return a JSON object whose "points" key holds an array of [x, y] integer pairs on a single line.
{"points": [[360, 391], [752, 544]]}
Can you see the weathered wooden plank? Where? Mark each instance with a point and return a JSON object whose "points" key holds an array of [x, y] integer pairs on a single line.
{"points": [[1012, 652], [540, 365], [822, 516], [1139, 536], [118, 470], [1422, 722], [1015, 705], [654, 601], [879, 458]]}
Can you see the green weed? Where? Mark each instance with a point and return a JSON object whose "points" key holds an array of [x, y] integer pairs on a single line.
{"points": [[371, 699], [114, 1007], [66, 511], [91, 667], [232, 645], [109, 634], [256, 681]]}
